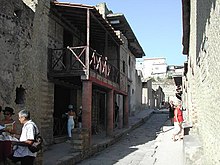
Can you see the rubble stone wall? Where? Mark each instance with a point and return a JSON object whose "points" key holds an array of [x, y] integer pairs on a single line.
{"points": [[203, 77], [23, 51]]}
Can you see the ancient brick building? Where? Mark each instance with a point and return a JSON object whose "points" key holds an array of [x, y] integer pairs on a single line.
{"points": [[201, 92], [55, 54], [23, 48]]}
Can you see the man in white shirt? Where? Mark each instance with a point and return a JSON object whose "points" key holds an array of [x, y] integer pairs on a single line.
{"points": [[29, 130]]}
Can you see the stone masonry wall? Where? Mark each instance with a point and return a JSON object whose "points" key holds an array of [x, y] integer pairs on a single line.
{"points": [[138, 93], [124, 53], [23, 51], [203, 77]]}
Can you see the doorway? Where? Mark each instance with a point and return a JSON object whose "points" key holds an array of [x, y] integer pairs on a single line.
{"points": [[98, 111], [62, 97]]}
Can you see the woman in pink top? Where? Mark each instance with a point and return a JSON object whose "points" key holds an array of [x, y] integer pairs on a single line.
{"points": [[178, 120]]}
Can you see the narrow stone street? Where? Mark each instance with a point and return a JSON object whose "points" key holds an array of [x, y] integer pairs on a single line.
{"points": [[138, 147]]}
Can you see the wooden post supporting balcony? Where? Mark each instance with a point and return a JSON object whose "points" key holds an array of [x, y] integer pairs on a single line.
{"points": [[87, 44]]}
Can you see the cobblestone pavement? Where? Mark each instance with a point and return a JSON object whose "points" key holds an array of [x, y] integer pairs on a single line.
{"points": [[141, 146]]}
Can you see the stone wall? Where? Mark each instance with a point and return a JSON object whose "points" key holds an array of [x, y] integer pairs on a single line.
{"points": [[168, 86], [135, 85], [132, 80], [124, 53], [203, 90], [138, 93], [23, 47]]}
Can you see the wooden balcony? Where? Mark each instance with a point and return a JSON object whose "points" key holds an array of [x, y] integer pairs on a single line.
{"points": [[71, 62]]}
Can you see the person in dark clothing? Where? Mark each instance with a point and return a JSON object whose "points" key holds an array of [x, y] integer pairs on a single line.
{"points": [[171, 112], [116, 114]]}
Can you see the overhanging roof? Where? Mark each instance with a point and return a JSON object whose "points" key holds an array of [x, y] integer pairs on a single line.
{"points": [[76, 15], [186, 25], [119, 22]]}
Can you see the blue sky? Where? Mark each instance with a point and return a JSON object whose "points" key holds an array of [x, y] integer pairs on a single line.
{"points": [[157, 25]]}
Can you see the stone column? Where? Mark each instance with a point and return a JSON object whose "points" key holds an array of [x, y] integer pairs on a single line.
{"points": [[87, 107], [126, 111], [110, 109]]}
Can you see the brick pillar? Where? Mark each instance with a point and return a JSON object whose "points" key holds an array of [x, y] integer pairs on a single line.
{"points": [[126, 111], [110, 109], [87, 107], [121, 113]]}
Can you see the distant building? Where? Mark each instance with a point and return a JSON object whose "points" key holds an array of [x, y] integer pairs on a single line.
{"points": [[152, 67], [147, 94], [174, 70], [158, 75]]}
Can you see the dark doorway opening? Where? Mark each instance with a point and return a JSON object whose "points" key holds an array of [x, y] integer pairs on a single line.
{"points": [[98, 112], [61, 102]]}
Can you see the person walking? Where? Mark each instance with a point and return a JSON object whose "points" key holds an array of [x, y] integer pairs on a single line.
{"points": [[29, 130], [178, 120], [171, 112], [116, 114], [71, 115]]}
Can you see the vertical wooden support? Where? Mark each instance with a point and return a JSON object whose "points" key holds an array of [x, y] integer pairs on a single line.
{"points": [[87, 44]]}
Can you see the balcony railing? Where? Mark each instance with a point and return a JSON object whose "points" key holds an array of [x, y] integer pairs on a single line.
{"points": [[71, 61]]}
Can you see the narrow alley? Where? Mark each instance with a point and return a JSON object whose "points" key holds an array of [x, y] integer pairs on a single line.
{"points": [[150, 143], [86, 76]]}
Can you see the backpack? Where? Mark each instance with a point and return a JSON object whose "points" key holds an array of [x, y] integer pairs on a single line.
{"points": [[37, 144]]}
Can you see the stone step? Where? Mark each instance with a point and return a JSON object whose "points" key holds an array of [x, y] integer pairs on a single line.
{"points": [[192, 150]]}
